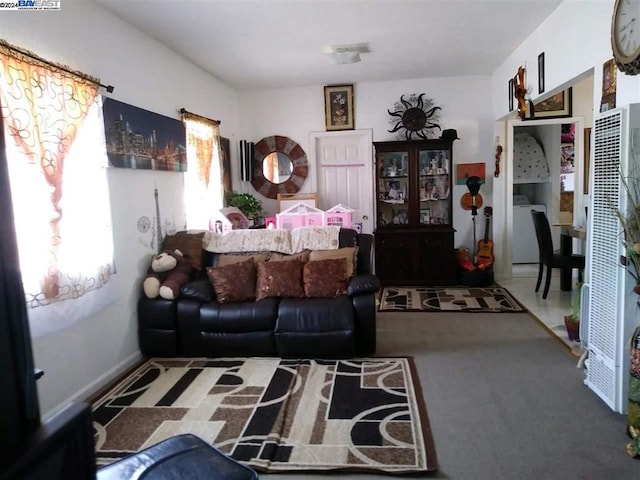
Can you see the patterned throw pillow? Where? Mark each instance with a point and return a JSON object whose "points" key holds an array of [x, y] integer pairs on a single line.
{"points": [[279, 279], [325, 278], [350, 254], [235, 282], [190, 244]]}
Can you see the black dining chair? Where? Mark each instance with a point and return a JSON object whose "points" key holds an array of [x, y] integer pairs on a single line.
{"points": [[548, 258]]}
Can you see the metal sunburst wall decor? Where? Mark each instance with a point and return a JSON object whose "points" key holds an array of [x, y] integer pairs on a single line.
{"points": [[415, 115]]}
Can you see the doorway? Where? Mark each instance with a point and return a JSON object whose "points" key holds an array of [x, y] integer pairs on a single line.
{"points": [[559, 193], [344, 162]]}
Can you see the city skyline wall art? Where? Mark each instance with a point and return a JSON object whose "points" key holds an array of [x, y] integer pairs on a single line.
{"points": [[139, 138]]}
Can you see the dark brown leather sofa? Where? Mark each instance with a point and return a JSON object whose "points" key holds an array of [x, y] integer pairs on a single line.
{"points": [[197, 325]]}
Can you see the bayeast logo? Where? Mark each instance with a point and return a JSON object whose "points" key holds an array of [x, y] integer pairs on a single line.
{"points": [[38, 4]]}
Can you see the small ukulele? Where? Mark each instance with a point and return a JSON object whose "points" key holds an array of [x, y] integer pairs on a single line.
{"points": [[485, 246]]}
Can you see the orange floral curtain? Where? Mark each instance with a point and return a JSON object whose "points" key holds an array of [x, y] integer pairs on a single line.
{"points": [[43, 109]]}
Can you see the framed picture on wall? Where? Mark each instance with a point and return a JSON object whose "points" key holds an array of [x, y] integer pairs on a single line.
{"points": [[159, 142], [541, 73], [338, 107], [558, 105], [510, 88]]}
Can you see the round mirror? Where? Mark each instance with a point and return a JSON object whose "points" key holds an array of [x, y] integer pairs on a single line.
{"points": [[279, 166]]}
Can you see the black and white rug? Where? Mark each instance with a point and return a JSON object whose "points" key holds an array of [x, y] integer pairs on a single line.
{"points": [[448, 299]]}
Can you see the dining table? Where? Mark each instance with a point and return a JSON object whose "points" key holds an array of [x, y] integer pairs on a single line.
{"points": [[567, 234]]}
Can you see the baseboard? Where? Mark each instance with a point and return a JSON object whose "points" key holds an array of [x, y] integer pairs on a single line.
{"points": [[97, 384]]}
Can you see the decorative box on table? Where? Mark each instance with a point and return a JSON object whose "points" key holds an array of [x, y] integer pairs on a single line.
{"points": [[300, 215], [227, 219], [339, 216]]}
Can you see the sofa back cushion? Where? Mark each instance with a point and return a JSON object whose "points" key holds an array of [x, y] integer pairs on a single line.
{"points": [[283, 257], [235, 282], [229, 258], [279, 279], [190, 244]]}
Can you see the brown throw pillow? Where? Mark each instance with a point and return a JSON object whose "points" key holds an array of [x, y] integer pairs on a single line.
{"points": [[280, 257], [190, 244], [325, 278], [348, 253], [235, 282], [228, 259], [279, 279]]}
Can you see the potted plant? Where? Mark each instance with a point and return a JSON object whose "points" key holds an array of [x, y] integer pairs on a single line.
{"points": [[246, 203], [572, 321]]}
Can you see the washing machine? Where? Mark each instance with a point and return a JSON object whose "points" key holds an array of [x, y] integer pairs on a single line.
{"points": [[524, 242]]}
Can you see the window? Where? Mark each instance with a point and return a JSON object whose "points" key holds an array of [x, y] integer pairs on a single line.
{"points": [[203, 180]]}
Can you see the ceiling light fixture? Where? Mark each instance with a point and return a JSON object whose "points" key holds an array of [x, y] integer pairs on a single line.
{"points": [[346, 54]]}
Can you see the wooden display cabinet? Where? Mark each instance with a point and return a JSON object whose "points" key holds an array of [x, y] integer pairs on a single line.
{"points": [[414, 225]]}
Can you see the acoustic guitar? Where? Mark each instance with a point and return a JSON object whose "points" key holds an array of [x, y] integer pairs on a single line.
{"points": [[485, 246]]}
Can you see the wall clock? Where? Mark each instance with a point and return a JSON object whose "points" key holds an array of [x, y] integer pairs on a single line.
{"points": [[144, 223], [625, 35]]}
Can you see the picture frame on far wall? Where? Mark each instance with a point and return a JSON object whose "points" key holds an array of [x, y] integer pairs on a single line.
{"points": [[541, 73], [511, 94], [338, 107], [556, 106]]}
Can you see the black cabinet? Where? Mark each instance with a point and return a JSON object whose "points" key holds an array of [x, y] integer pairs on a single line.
{"points": [[414, 232]]}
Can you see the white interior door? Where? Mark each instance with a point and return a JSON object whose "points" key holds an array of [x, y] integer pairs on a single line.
{"points": [[344, 162]]}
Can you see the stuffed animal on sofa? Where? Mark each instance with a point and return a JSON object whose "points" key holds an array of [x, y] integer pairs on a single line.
{"points": [[167, 273]]}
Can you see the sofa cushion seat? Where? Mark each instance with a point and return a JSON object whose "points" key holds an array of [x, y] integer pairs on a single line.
{"points": [[320, 325], [239, 317], [245, 328]]}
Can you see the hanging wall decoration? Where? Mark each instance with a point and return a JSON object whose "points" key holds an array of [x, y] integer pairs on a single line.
{"points": [[138, 138], [415, 115]]}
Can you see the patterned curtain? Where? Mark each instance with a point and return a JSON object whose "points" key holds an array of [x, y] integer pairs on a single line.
{"points": [[45, 115], [203, 179]]}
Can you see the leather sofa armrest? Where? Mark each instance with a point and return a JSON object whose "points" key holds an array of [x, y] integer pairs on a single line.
{"points": [[363, 283], [365, 253], [200, 290]]}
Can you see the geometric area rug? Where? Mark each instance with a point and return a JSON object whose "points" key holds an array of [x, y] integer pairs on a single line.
{"points": [[273, 414], [448, 299]]}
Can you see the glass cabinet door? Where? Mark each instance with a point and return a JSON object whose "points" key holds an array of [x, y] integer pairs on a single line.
{"points": [[433, 178], [393, 188]]}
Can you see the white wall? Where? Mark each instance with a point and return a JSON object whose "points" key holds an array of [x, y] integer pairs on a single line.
{"points": [[576, 42], [296, 113], [150, 76]]}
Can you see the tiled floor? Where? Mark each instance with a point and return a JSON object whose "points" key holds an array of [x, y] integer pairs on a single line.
{"points": [[550, 311]]}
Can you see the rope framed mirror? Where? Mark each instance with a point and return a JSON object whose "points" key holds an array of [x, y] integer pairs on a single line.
{"points": [[279, 166]]}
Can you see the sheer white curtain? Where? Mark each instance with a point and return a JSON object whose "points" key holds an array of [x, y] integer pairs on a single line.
{"points": [[56, 156], [203, 190]]}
